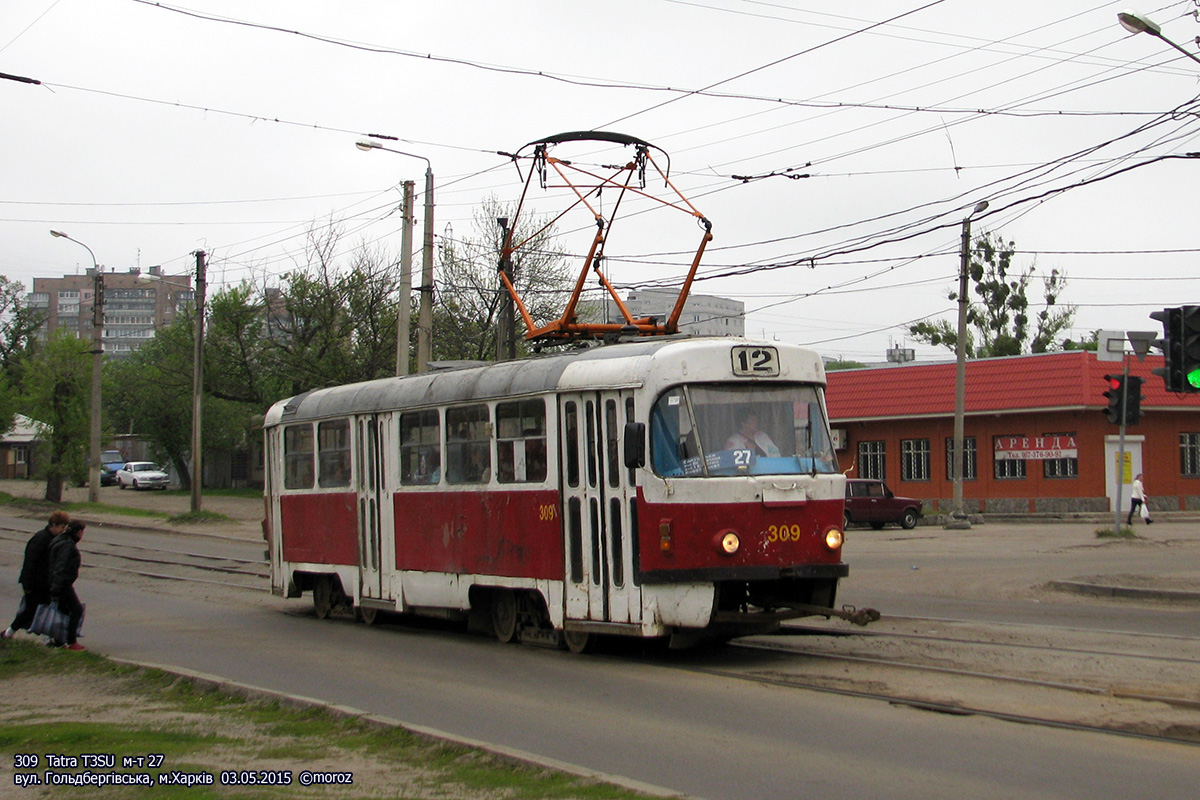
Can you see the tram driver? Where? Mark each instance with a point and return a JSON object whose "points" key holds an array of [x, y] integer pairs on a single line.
{"points": [[748, 436]]}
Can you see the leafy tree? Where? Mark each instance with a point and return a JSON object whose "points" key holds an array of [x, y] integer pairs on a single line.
{"points": [[1091, 342], [150, 392], [237, 348], [58, 394], [18, 322], [842, 363], [469, 290], [328, 327], [998, 322]]}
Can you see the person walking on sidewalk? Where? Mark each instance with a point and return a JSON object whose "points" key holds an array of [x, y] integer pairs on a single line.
{"points": [[35, 572], [1137, 503], [64, 569]]}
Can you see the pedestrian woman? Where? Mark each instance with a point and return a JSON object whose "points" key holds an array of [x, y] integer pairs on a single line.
{"points": [[1138, 502], [35, 572], [64, 569]]}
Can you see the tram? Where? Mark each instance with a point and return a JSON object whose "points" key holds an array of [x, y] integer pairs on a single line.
{"points": [[668, 487]]}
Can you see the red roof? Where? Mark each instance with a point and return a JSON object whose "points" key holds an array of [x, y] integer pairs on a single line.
{"points": [[1066, 380]]}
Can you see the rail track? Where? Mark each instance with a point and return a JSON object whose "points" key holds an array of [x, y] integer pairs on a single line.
{"points": [[159, 563], [1136, 684]]}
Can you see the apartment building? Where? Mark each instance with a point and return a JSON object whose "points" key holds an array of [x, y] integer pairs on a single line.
{"points": [[136, 305]]}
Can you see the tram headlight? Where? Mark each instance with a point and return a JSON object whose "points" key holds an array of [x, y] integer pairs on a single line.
{"points": [[728, 542], [834, 538]]}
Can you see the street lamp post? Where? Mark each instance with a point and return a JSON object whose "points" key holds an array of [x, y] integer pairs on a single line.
{"points": [[197, 374], [960, 519], [425, 312], [97, 366], [1135, 22]]}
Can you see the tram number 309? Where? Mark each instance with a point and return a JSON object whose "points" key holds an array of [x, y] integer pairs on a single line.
{"points": [[783, 533]]}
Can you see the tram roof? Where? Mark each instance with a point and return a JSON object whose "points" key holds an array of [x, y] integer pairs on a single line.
{"points": [[608, 366]]}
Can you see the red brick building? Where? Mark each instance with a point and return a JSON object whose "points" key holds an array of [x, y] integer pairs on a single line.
{"points": [[1037, 438]]}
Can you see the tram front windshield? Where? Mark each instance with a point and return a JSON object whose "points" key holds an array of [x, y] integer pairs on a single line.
{"points": [[743, 429]]}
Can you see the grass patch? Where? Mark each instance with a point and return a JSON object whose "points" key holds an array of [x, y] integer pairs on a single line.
{"points": [[1110, 533], [45, 507], [198, 516], [90, 705]]}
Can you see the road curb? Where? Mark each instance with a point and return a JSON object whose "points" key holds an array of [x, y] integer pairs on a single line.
{"points": [[250, 692], [1125, 592]]}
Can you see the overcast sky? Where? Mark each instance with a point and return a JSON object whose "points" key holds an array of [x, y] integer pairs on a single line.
{"points": [[160, 129]]}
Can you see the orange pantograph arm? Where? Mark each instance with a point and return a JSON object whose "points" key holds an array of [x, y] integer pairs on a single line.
{"points": [[565, 327]]}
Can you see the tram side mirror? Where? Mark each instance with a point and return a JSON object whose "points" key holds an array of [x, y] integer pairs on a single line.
{"points": [[635, 444]]}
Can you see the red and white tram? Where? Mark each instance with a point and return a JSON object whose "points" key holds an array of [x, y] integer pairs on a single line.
{"points": [[667, 487]]}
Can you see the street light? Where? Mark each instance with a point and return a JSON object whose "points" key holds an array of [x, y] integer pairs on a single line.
{"points": [[425, 313], [97, 364], [960, 519], [197, 373], [1135, 22]]}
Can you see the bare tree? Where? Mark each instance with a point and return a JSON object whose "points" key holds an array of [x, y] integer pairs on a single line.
{"points": [[469, 291]]}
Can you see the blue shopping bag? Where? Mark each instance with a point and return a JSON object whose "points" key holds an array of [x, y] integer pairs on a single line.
{"points": [[48, 620]]}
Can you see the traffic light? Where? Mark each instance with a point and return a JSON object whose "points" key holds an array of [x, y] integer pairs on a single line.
{"points": [[1189, 331], [1181, 348], [1172, 370], [1116, 398], [1133, 400]]}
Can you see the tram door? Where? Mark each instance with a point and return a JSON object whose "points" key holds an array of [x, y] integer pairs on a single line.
{"points": [[370, 494], [598, 508]]}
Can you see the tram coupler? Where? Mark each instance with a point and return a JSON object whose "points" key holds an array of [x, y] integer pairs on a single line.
{"points": [[852, 614]]}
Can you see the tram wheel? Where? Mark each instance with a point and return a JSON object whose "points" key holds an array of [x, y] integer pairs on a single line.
{"points": [[504, 615], [366, 616], [578, 641], [323, 596]]}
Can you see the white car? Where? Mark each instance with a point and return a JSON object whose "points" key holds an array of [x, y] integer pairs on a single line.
{"points": [[142, 475]]}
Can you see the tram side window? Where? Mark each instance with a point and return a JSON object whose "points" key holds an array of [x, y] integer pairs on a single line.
{"points": [[333, 453], [521, 441], [468, 445], [420, 447], [298, 457]]}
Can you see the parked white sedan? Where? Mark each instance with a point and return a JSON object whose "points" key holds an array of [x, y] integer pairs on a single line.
{"points": [[142, 475]]}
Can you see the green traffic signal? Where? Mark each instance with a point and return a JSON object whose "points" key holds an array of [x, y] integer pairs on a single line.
{"points": [[1193, 378]]}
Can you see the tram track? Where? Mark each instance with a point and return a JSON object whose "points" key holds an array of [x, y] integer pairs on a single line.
{"points": [[1089, 679], [174, 564], [951, 708]]}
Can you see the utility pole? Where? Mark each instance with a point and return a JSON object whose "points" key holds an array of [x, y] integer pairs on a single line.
{"points": [[97, 369], [198, 381], [425, 313], [506, 339], [959, 519], [404, 317]]}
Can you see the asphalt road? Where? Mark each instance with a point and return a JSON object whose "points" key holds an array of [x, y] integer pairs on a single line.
{"points": [[651, 717]]}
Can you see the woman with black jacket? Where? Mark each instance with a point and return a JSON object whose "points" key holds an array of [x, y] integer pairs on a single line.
{"points": [[64, 569]]}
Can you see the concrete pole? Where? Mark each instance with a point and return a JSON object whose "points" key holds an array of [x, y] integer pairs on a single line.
{"points": [[960, 519], [425, 313], [404, 318], [97, 370], [198, 383]]}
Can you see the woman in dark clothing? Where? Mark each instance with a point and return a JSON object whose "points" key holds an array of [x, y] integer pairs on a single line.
{"points": [[64, 569], [35, 572]]}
